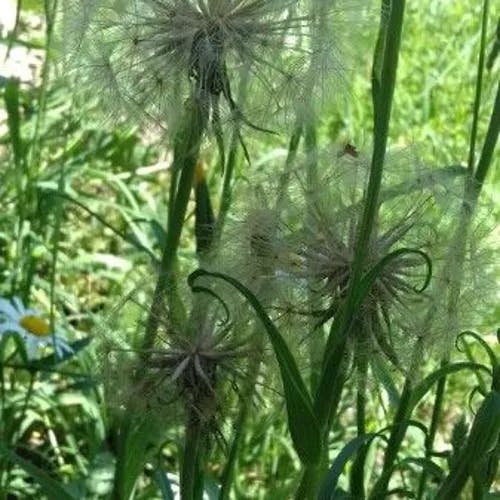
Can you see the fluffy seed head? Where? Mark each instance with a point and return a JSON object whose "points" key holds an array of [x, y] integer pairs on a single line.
{"points": [[149, 55], [192, 364], [332, 208]]}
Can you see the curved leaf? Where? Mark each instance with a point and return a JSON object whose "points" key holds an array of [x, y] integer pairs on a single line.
{"points": [[425, 463], [164, 485], [489, 351], [328, 490], [425, 385], [482, 440], [302, 421], [371, 276]]}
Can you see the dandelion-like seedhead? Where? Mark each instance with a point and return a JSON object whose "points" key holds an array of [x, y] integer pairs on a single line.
{"points": [[147, 56], [190, 370], [254, 246], [324, 247], [464, 290]]}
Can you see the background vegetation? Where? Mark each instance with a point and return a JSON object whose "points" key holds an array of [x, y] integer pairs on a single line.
{"points": [[84, 202]]}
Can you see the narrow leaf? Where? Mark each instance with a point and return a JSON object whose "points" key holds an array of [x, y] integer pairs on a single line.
{"points": [[425, 385], [302, 422], [53, 488], [372, 275], [348, 451], [12, 106], [164, 485]]}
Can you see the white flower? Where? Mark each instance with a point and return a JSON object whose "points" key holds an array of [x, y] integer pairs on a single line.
{"points": [[33, 329]]}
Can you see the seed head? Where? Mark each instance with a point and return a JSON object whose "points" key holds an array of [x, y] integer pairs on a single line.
{"points": [[332, 209], [191, 365], [149, 55]]}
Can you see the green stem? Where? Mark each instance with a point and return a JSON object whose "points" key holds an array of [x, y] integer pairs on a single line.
{"points": [[239, 426], [429, 441], [186, 153], [489, 145], [232, 160], [471, 195], [191, 483], [398, 431], [361, 397], [227, 183], [457, 254], [479, 446], [56, 236], [316, 343], [293, 148], [328, 386], [378, 55], [338, 335], [309, 484], [479, 87], [229, 470], [357, 478]]}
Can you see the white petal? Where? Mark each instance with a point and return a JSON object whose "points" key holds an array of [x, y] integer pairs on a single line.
{"points": [[31, 348], [61, 347], [10, 326], [7, 309], [19, 305]]}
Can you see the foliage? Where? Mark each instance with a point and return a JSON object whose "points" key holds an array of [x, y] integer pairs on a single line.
{"points": [[248, 247]]}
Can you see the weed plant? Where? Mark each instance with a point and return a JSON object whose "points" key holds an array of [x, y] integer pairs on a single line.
{"points": [[247, 250]]}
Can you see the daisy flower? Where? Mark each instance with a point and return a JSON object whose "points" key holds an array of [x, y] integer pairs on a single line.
{"points": [[31, 326]]}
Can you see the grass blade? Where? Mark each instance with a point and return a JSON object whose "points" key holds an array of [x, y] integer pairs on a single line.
{"points": [[53, 488]]}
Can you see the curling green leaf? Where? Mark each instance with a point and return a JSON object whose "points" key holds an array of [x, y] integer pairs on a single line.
{"points": [[425, 385], [302, 422], [371, 276], [482, 440], [329, 488]]}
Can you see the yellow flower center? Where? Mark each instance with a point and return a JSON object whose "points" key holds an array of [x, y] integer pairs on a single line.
{"points": [[35, 325]]}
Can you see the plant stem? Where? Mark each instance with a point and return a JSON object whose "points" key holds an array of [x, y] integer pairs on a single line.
{"points": [[309, 484], [240, 424], [191, 483], [473, 188], [316, 343], [227, 183], [186, 153], [479, 87], [429, 441], [357, 478], [328, 386], [232, 160], [398, 431], [489, 145], [336, 342], [32, 161], [293, 148]]}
